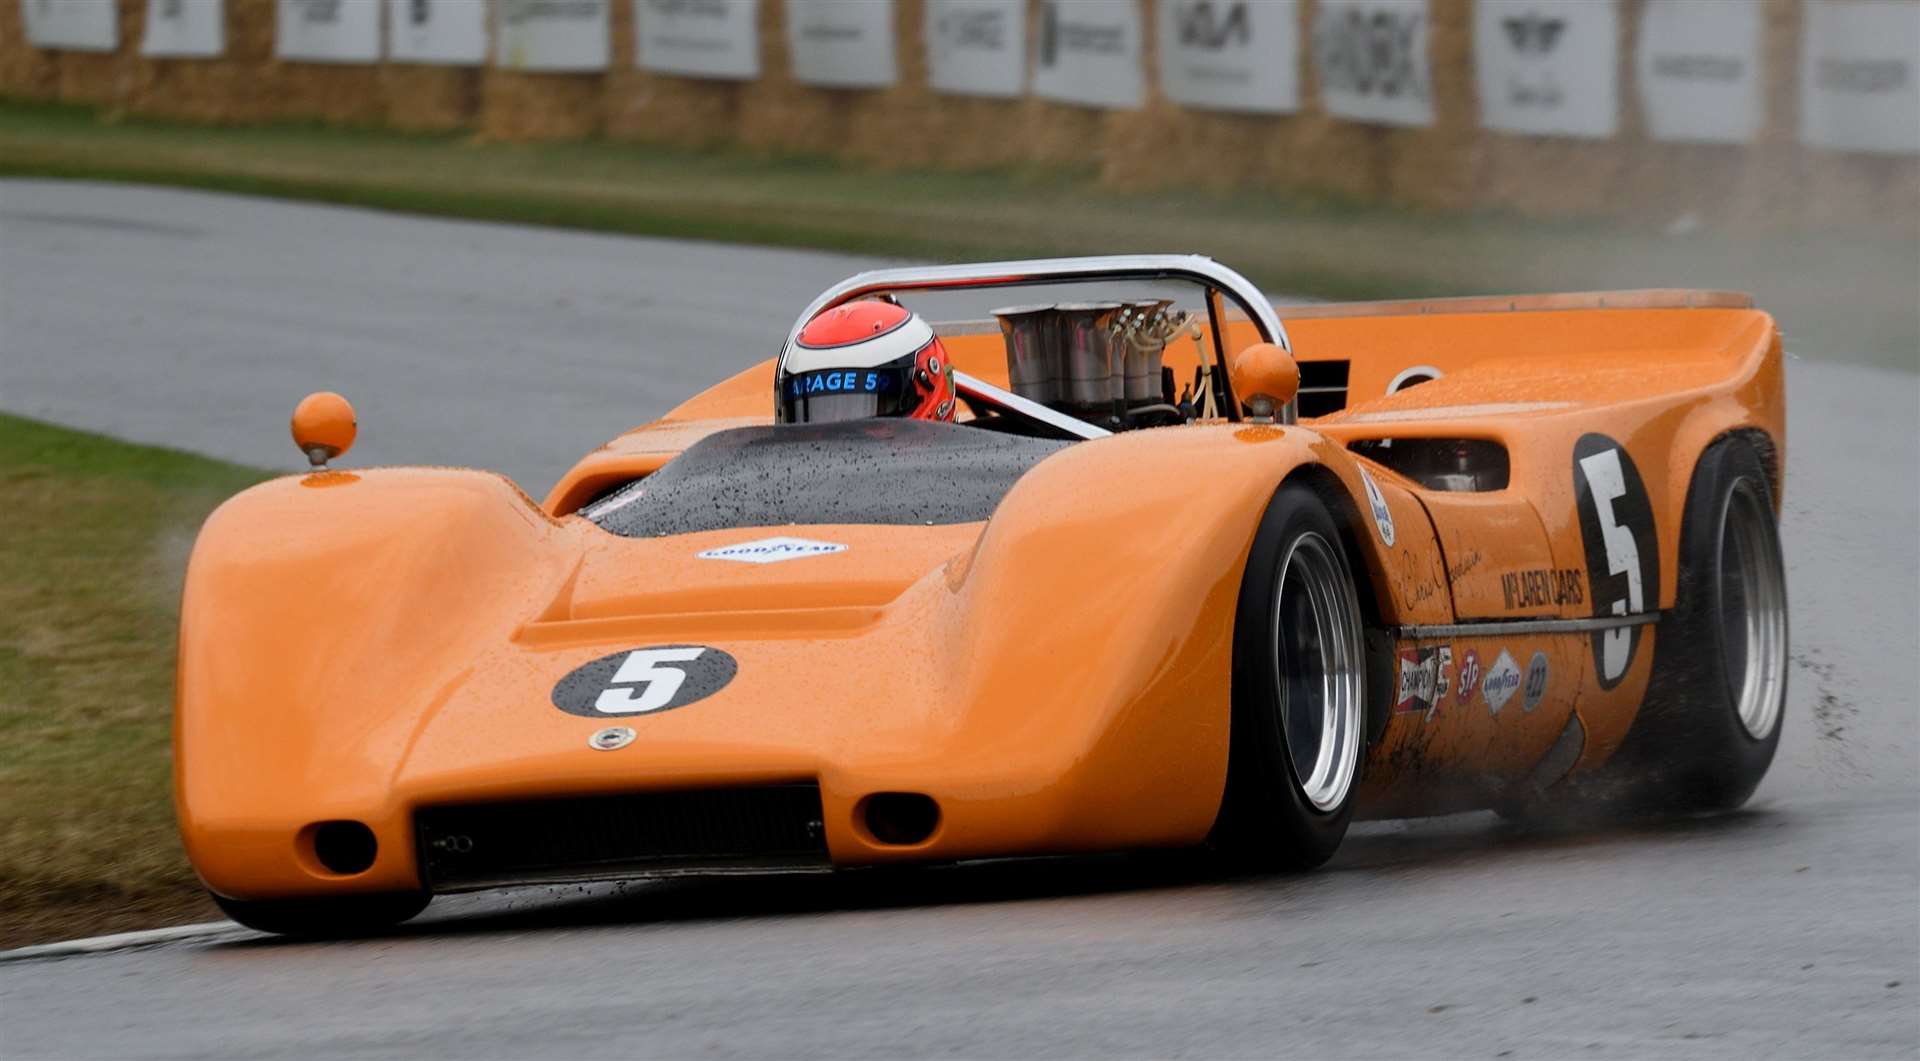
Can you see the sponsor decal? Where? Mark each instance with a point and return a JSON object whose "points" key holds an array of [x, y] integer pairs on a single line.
{"points": [[1419, 672], [1377, 504], [644, 681], [1469, 676], [1503, 680], [1535, 687], [1543, 588], [1623, 555], [771, 550]]}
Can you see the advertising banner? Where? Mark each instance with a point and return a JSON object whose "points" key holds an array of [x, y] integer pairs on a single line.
{"points": [[1859, 86], [841, 43], [552, 36], [72, 25], [449, 32], [1240, 55], [193, 29], [1371, 59], [1089, 53], [327, 31], [698, 38], [1698, 67], [1548, 68], [977, 47]]}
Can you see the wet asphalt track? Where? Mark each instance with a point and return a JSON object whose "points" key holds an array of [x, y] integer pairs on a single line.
{"points": [[1791, 929]]}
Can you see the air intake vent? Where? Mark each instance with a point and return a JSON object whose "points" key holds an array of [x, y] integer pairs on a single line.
{"points": [[484, 845], [1323, 388]]}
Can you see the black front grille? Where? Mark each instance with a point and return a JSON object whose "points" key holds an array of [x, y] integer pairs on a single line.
{"points": [[480, 845], [1323, 388]]}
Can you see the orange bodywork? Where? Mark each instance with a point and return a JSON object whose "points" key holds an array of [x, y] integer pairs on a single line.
{"points": [[358, 645]]}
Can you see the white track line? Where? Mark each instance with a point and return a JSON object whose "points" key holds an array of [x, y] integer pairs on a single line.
{"points": [[209, 931]]}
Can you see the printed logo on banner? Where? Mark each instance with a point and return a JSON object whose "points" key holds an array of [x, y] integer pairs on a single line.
{"points": [[1239, 55], [1502, 681], [73, 25], [841, 43], [327, 31], [436, 31], [187, 28], [977, 47], [542, 35], [1699, 70], [1546, 67], [1089, 53], [1371, 57], [698, 38], [1860, 77]]}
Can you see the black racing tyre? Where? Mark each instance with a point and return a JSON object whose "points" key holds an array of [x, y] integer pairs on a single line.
{"points": [[1299, 695], [1711, 720], [332, 917]]}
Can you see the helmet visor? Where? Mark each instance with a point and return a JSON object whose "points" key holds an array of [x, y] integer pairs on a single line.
{"points": [[832, 394]]}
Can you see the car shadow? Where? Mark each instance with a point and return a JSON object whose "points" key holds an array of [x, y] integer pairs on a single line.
{"points": [[1372, 849]]}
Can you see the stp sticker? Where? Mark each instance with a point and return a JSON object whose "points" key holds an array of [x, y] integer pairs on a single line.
{"points": [[1469, 676], [1382, 515], [771, 550], [1503, 680], [1420, 681], [1623, 555], [1536, 684], [644, 681]]}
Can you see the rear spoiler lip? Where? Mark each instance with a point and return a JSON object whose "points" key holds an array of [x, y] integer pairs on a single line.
{"points": [[1647, 298]]}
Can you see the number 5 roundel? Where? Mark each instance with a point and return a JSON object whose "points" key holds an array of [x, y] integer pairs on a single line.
{"points": [[644, 681], [1623, 554]]}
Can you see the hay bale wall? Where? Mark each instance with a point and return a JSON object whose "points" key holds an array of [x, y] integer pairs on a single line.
{"points": [[1452, 166]]}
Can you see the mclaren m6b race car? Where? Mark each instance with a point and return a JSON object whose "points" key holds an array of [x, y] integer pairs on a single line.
{"points": [[1140, 562]]}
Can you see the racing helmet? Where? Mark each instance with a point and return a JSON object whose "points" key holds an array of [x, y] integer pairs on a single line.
{"points": [[862, 359]]}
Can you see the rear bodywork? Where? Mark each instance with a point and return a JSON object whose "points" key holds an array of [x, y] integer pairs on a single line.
{"points": [[383, 646]]}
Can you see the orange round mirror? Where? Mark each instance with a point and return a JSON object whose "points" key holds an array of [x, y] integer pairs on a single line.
{"points": [[323, 426], [1265, 378]]}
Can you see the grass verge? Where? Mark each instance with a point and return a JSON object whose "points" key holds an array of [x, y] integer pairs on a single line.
{"points": [[97, 538], [1848, 294]]}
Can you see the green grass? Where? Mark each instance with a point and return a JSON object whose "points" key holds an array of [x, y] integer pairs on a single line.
{"points": [[96, 541], [1846, 294]]}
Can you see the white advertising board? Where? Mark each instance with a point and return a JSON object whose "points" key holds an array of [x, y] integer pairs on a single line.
{"points": [[1860, 76], [1241, 55], [327, 31], [1698, 69], [447, 32], [1089, 53], [552, 36], [841, 43], [192, 29], [977, 47], [698, 38], [1548, 67], [1371, 60], [72, 25]]}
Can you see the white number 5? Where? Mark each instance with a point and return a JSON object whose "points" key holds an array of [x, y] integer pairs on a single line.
{"points": [[1609, 484], [658, 683]]}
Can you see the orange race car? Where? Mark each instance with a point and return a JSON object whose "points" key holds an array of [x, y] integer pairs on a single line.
{"points": [[1133, 564]]}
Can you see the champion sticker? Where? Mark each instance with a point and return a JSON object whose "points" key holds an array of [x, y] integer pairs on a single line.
{"points": [[1623, 555], [1424, 674], [771, 550], [1377, 502], [644, 681], [1469, 676], [1536, 684], [1503, 680]]}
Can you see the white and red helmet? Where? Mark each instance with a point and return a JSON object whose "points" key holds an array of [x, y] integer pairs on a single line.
{"points": [[866, 358]]}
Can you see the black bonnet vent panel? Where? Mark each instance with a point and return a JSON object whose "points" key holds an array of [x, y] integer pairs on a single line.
{"points": [[855, 471]]}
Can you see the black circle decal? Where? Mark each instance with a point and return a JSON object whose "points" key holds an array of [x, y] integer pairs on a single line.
{"points": [[1623, 553], [644, 681]]}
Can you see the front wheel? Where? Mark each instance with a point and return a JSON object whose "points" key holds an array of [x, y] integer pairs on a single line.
{"points": [[332, 917], [1299, 714]]}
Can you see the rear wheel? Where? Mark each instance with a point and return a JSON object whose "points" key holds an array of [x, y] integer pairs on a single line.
{"points": [[333, 917], [1710, 723], [1299, 715]]}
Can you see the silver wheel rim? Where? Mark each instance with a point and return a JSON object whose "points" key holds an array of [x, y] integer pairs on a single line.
{"points": [[1317, 669], [1751, 602]]}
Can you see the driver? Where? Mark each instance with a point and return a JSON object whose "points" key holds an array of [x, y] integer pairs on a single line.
{"points": [[866, 358]]}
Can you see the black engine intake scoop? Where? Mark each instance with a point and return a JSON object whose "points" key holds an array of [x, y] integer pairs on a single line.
{"points": [[852, 471]]}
